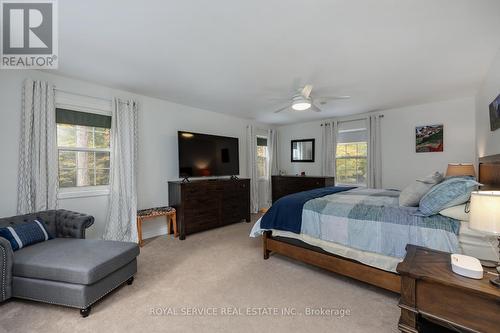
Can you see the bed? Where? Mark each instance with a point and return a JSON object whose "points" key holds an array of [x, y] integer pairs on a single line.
{"points": [[369, 252]]}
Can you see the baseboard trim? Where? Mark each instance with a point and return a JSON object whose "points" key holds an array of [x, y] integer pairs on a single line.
{"points": [[161, 231]]}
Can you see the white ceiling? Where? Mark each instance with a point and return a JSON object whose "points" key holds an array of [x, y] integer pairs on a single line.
{"points": [[236, 56]]}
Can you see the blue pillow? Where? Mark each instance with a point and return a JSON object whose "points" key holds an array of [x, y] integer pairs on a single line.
{"points": [[22, 235], [451, 192]]}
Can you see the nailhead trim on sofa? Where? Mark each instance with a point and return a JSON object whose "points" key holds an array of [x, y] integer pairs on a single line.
{"points": [[77, 307], [4, 269]]}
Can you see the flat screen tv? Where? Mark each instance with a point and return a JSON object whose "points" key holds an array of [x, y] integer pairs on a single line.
{"points": [[204, 155]]}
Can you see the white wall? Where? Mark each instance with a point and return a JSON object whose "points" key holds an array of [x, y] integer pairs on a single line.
{"points": [[488, 142], [309, 130], [159, 122], [401, 164]]}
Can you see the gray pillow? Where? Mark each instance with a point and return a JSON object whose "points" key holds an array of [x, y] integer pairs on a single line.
{"points": [[411, 195], [451, 192]]}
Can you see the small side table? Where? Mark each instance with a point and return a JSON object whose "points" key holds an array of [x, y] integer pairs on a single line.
{"points": [[431, 291], [168, 212]]}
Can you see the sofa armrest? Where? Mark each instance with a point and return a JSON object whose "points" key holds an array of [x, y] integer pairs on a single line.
{"points": [[71, 224], [6, 262]]}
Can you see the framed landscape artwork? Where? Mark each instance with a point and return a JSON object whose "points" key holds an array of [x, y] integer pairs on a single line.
{"points": [[495, 114], [429, 139]]}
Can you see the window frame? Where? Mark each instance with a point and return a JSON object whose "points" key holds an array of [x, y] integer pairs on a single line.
{"points": [[356, 157], [84, 191]]}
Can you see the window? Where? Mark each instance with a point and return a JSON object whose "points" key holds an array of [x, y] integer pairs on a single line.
{"points": [[352, 152], [83, 142], [351, 163], [262, 157]]}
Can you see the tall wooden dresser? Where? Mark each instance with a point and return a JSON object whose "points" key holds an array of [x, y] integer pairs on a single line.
{"points": [[207, 204], [284, 185]]}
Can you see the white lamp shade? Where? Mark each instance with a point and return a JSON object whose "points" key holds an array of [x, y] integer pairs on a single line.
{"points": [[485, 211]]}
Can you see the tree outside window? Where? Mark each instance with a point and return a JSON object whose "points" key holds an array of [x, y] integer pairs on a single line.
{"points": [[84, 155], [351, 163]]}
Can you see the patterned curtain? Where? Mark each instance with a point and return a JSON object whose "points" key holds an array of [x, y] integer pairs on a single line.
{"points": [[121, 222], [329, 132], [37, 177], [252, 168], [273, 166], [374, 153]]}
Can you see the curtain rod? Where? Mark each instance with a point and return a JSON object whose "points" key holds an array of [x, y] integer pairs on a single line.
{"points": [[88, 96], [346, 121], [83, 95]]}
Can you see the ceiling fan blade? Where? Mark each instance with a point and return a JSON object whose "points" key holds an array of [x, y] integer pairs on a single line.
{"points": [[306, 91], [315, 108], [334, 97], [282, 109], [278, 99]]}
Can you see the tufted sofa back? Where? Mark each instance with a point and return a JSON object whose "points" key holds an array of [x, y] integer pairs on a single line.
{"points": [[48, 216], [60, 223]]}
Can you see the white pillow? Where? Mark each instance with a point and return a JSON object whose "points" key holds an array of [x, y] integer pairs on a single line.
{"points": [[411, 195], [456, 212]]}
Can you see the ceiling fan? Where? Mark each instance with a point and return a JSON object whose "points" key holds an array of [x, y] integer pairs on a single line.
{"points": [[303, 100]]}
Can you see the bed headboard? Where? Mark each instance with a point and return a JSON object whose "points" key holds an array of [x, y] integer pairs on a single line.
{"points": [[489, 172]]}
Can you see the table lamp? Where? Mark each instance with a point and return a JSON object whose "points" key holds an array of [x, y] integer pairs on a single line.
{"points": [[485, 216], [460, 169]]}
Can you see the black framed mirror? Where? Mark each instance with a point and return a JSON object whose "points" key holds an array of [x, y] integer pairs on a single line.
{"points": [[302, 150]]}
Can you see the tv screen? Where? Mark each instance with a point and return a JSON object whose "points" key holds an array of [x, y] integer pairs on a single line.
{"points": [[204, 155]]}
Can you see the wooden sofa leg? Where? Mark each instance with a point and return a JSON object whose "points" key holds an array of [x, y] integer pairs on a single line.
{"points": [[85, 312]]}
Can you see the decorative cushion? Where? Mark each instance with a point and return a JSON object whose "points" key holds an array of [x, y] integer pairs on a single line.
{"points": [[449, 193], [25, 234], [456, 212], [411, 195], [155, 211]]}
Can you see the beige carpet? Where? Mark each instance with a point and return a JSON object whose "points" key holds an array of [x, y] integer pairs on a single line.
{"points": [[221, 272]]}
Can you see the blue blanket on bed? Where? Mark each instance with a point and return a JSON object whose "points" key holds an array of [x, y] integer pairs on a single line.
{"points": [[286, 213]]}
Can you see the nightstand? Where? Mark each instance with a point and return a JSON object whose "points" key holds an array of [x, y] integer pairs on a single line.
{"points": [[431, 291]]}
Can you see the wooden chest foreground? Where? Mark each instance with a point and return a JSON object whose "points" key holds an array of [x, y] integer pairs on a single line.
{"points": [[430, 290]]}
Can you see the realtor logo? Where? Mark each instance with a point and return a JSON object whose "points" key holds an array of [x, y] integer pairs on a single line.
{"points": [[29, 34]]}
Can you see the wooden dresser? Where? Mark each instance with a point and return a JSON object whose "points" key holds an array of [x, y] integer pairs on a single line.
{"points": [[207, 204], [284, 185]]}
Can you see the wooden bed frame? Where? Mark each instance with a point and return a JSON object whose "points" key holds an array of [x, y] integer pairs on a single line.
{"points": [[489, 175]]}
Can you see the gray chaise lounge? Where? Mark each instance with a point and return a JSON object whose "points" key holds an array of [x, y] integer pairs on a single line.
{"points": [[67, 270]]}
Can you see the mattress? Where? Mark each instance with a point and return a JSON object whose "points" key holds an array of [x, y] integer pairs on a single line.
{"points": [[471, 242]]}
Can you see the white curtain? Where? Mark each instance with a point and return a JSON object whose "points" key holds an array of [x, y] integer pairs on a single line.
{"points": [[252, 168], [374, 152], [37, 177], [121, 222], [328, 147], [272, 166]]}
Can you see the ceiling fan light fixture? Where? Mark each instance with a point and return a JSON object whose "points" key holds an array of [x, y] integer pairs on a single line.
{"points": [[301, 104]]}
